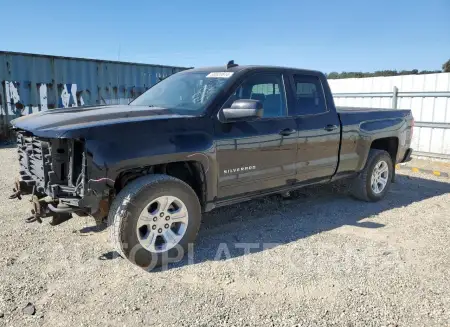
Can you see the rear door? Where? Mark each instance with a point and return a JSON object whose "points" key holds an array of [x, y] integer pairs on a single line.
{"points": [[318, 127], [258, 154]]}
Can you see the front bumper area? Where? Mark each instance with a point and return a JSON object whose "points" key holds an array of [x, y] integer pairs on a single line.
{"points": [[56, 173], [61, 209], [43, 206]]}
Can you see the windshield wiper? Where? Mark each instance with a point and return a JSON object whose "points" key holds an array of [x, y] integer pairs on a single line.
{"points": [[184, 105], [156, 106]]}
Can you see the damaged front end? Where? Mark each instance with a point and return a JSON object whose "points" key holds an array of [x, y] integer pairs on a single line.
{"points": [[55, 172]]}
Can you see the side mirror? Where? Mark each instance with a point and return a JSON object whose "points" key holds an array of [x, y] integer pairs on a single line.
{"points": [[243, 109]]}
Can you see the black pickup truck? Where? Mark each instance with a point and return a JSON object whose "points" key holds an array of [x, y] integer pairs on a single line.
{"points": [[201, 139]]}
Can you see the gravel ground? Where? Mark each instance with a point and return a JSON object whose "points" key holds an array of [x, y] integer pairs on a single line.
{"points": [[333, 261]]}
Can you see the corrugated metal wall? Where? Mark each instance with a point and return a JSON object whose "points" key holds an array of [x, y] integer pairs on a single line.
{"points": [[431, 110], [31, 83]]}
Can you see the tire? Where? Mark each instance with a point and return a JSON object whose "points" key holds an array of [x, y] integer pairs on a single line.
{"points": [[140, 245], [361, 187]]}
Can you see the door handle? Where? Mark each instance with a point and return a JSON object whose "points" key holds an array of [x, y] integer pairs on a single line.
{"points": [[330, 128], [287, 131]]}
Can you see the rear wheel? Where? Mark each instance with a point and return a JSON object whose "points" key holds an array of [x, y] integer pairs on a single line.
{"points": [[153, 219], [374, 180]]}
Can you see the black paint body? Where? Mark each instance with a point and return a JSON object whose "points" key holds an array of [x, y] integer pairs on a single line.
{"points": [[121, 138]]}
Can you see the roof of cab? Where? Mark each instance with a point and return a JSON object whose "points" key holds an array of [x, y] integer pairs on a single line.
{"points": [[239, 68]]}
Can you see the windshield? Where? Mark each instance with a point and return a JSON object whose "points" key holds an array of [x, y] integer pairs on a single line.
{"points": [[184, 92]]}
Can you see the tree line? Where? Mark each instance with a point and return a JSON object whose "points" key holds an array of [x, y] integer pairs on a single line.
{"points": [[336, 75]]}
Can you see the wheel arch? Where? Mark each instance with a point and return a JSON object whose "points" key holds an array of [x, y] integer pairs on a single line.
{"points": [[192, 172], [388, 144]]}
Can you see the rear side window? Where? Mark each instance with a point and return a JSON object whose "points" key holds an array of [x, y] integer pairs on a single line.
{"points": [[309, 97]]}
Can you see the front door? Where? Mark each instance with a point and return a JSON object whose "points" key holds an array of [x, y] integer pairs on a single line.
{"points": [[259, 154]]}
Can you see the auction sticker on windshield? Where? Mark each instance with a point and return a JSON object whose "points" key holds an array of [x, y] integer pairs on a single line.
{"points": [[219, 75]]}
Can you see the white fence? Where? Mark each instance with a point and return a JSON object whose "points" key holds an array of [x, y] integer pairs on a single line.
{"points": [[428, 96]]}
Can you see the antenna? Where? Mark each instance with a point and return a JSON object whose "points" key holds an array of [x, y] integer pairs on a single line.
{"points": [[231, 64]]}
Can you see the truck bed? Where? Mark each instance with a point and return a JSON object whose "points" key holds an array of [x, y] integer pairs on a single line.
{"points": [[361, 125], [363, 109], [351, 115]]}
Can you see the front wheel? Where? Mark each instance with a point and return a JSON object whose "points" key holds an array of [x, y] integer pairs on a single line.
{"points": [[374, 180], [153, 219]]}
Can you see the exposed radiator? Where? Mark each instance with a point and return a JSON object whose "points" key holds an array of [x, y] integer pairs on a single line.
{"points": [[35, 160]]}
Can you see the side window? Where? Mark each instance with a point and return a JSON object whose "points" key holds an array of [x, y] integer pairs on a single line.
{"points": [[309, 97], [267, 88]]}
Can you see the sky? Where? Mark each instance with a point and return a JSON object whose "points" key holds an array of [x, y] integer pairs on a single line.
{"points": [[327, 35]]}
